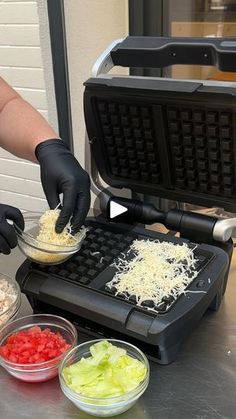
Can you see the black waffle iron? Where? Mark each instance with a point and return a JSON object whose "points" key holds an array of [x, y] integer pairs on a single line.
{"points": [[163, 138]]}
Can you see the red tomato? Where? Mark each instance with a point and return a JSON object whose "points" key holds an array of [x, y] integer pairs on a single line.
{"points": [[33, 345]]}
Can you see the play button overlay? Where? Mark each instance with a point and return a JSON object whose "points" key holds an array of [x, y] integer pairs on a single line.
{"points": [[113, 209], [116, 209]]}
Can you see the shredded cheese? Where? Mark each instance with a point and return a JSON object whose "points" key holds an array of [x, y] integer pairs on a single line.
{"points": [[44, 256], [47, 239], [48, 235], [158, 270]]}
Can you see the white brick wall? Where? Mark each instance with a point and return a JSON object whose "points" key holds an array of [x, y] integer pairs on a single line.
{"points": [[21, 66]]}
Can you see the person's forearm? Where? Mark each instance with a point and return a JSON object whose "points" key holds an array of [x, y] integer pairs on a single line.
{"points": [[22, 128]]}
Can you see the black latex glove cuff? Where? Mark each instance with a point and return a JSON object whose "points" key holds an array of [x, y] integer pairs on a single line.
{"points": [[41, 147], [62, 173], [8, 238]]}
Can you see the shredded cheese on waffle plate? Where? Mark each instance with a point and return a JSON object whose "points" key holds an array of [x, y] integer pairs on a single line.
{"points": [[158, 270]]}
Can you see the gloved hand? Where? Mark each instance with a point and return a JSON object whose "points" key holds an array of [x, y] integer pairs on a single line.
{"points": [[62, 173], [8, 238]]}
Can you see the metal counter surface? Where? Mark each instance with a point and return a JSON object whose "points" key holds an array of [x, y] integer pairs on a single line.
{"points": [[201, 384]]}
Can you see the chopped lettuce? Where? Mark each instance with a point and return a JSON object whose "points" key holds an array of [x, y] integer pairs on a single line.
{"points": [[108, 372]]}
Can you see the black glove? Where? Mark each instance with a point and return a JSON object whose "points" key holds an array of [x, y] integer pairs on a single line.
{"points": [[62, 173], [8, 238]]}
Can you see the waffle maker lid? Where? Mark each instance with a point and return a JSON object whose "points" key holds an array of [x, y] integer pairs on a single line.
{"points": [[168, 138]]}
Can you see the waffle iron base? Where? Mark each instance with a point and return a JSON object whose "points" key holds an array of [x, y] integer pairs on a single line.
{"points": [[77, 290]]}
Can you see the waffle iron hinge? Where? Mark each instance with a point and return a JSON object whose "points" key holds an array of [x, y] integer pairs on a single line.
{"points": [[196, 227]]}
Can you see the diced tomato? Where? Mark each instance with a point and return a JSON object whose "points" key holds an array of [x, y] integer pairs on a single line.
{"points": [[33, 346], [4, 351], [35, 329], [13, 358]]}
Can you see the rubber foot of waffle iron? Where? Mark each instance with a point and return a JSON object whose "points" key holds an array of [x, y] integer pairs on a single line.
{"points": [[215, 304], [168, 355]]}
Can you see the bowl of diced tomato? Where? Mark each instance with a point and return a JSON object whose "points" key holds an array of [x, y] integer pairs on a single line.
{"points": [[32, 347]]}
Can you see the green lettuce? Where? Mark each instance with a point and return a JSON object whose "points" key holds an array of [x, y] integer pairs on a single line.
{"points": [[108, 372]]}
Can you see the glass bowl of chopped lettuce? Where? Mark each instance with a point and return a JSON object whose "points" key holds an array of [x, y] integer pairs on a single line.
{"points": [[40, 243], [104, 377]]}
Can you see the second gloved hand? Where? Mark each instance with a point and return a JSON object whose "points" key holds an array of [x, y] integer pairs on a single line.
{"points": [[62, 173], [8, 238]]}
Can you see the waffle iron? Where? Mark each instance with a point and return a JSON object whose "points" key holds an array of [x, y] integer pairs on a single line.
{"points": [[169, 139]]}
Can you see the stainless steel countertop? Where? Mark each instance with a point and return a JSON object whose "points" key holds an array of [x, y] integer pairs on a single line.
{"points": [[201, 384]]}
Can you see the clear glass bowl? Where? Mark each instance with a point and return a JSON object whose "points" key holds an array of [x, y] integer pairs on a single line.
{"points": [[11, 311], [103, 407], [38, 251], [42, 371]]}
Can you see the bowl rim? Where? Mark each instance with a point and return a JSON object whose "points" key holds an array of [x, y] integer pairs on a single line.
{"points": [[35, 243], [16, 303], [116, 399], [46, 364]]}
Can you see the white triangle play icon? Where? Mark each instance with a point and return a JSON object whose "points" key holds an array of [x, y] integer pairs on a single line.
{"points": [[116, 209]]}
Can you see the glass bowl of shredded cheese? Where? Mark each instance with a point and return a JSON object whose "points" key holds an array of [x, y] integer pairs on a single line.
{"points": [[41, 244], [9, 299]]}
